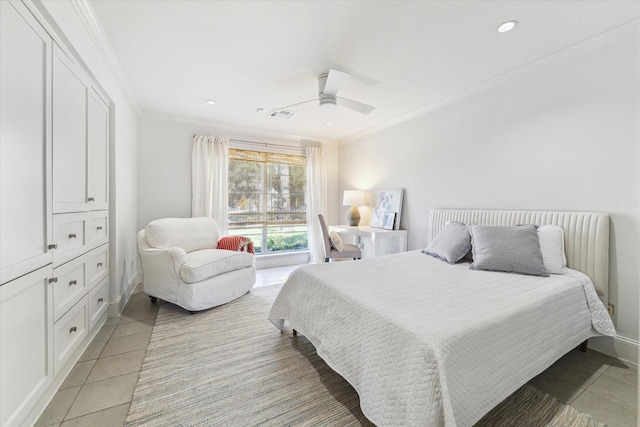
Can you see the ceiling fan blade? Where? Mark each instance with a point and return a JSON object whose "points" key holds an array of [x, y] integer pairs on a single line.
{"points": [[355, 105], [335, 80], [297, 103]]}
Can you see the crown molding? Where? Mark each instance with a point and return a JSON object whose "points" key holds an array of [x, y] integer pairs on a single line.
{"points": [[87, 15], [578, 48], [240, 132]]}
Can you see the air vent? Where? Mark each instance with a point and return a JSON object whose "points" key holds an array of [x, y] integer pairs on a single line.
{"points": [[283, 114]]}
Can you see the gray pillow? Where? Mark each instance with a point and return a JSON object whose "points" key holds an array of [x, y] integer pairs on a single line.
{"points": [[451, 244], [512, 249]]}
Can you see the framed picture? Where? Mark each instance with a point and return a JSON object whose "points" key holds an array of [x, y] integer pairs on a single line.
{"points": [[389, 219], [386, 201]]}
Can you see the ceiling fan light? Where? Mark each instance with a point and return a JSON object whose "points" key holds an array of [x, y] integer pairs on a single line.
{"points": [[328, 104]]}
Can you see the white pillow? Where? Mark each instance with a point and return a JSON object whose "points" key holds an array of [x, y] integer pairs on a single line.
{"points": [[336, 241], [551, 239]]}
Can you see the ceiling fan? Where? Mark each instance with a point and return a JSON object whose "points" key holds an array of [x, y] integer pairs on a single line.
{"points": [[328, 86]]}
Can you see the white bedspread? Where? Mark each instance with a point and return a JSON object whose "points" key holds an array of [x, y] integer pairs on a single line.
{"points": [[431, 344]]}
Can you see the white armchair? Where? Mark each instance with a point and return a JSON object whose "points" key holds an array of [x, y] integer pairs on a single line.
{"points": [[185, 262]]}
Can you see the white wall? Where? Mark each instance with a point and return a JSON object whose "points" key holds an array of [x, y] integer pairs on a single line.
{"points": [[65, 20], [164, 163], [562, 137]]}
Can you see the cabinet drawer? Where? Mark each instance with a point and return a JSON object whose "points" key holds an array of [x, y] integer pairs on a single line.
{"points": [[69, 236], [70, 286], [97, 265], [98, 302], [69, 332], [97, 232]]}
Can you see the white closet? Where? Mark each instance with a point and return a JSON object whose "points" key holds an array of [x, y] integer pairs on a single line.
{"points": [[54, 136], [25, 143], [80, 132]]}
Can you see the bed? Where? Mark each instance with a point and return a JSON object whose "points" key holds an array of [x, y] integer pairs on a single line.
{"points": [[428, 343]]}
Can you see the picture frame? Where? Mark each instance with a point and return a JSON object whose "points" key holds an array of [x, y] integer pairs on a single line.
{"points": [[389, 220], [386, 201]]}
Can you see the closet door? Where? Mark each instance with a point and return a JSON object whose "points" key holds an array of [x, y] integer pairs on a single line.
{"points": [[26, 343], [98, 153], [70, 104], [25, 142]]}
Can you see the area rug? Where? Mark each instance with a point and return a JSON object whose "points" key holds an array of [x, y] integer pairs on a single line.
{"points": [[230, 366]]}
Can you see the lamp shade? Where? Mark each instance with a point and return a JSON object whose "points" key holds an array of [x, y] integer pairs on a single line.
{"points": [[353, 198]]}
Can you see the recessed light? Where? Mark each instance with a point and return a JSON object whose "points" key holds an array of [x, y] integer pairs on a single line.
{"points": [[328, 124], [210, 102], [507, 26]]}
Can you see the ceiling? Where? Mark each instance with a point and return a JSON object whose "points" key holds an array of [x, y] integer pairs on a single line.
{"points": [[401, 56]]}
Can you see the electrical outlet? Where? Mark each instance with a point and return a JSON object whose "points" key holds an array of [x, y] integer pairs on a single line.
{"points": [[610, 309]]}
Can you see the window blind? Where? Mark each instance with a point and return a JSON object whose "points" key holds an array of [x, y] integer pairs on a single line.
{"points": [[262, 157]]}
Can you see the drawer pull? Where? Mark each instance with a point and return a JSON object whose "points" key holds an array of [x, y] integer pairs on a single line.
{"points": [[54, 246], [100, 300], [72, 236], [91, 199], [73, 282], [99, 228], [53, 280], [73, 329], [99, 264]]}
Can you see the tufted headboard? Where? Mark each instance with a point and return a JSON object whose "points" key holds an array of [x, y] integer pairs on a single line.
{"points": [[586, 235]]}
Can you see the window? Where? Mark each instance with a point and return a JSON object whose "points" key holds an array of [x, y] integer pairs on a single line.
{"points": [[267, 200]]}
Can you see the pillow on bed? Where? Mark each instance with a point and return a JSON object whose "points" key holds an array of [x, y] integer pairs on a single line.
{"points": [[451, 244], [512, 249], [336, 241], [551, 239]]}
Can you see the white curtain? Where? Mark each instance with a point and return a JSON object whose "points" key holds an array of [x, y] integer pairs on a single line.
{"points": [[209, 171], [316, 196]]}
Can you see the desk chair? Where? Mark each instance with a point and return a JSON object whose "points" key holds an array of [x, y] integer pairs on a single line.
{"points": [[349, 251]]}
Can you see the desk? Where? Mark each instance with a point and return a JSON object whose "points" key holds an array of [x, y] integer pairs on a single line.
{"points": [[377, 241]]}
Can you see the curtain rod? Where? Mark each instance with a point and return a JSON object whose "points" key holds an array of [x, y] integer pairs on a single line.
{"points": [[267, 144], [302, 144]]}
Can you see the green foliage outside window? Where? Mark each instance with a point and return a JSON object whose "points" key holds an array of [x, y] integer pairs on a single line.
{"points": [[267, 200]]}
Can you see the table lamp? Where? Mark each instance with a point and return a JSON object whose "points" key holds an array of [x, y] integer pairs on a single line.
{"points": [[353, 198]]}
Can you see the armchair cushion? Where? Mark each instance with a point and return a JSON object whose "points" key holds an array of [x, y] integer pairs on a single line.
{"points": [[190, 234], [206, 263]]}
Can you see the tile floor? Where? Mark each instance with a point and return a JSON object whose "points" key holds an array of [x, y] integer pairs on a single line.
{"points": [[99, 389]]}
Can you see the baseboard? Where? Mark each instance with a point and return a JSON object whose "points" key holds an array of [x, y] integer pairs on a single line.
{"points": [[620, 347], [280, 260], [116, 307]]}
